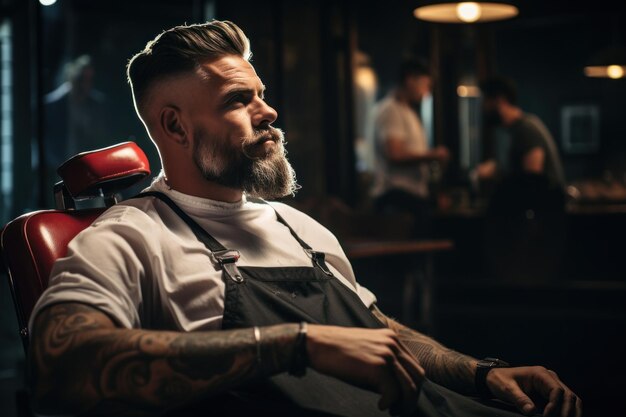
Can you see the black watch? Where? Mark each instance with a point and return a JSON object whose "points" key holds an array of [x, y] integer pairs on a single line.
{"points": [[482, 369]]}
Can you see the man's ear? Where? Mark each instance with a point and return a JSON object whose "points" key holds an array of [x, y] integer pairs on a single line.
{"points": [[173, 126]]}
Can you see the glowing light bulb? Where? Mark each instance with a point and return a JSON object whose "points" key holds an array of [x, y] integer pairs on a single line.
{"points": [[47, 2], [468, 11], [467, 91], [614, 71]]}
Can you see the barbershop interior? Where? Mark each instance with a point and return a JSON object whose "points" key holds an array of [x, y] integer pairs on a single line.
{"points": [[490, 257]]}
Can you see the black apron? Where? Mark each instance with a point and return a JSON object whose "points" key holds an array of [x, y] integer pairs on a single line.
{"points": [[262, 296]]}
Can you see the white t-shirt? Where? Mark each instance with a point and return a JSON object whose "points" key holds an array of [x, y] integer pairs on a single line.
{"points": [[396, 119], [144, 267]]}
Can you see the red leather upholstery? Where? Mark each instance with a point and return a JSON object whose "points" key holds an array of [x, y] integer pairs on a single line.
{"points": [[32, 243], [116, 166]]}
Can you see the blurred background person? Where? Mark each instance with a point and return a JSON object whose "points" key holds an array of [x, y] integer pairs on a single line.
{"points": [[402, 152], [525, 231], [74, 114], [532, 148]]}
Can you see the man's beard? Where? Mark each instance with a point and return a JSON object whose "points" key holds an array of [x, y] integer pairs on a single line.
{"points": [[265, 175]]}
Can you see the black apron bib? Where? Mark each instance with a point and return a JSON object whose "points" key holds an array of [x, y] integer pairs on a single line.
{"points": [[261, 296]]}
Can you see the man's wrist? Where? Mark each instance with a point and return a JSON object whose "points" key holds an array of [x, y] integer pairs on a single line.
{"points": [[483, 368]]}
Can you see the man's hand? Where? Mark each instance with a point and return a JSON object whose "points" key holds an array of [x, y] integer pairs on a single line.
{"points": [[519, 385], [372, 359], [487, 169]]}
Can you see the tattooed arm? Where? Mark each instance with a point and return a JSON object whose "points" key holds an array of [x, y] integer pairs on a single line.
{"points": [[79, 360], [517, 385], [442, 365]]}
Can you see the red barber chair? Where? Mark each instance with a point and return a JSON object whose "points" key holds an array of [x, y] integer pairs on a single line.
{"points": [[31, 243]]}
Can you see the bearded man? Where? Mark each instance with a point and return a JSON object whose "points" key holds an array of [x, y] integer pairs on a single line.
{"points": [[532, 148], [199, 296]]}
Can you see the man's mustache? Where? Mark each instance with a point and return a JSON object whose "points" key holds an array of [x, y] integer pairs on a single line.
{"points": [[261, 136]]}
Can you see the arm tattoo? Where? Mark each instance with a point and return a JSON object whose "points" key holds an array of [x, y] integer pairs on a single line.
{"points": [[79, 360], [442, 365]]}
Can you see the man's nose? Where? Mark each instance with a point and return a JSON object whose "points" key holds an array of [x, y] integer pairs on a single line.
{"points": [[265, 114]]}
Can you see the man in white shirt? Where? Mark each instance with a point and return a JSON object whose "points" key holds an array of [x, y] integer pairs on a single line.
{"points": [[200, 291], [403, 154]]}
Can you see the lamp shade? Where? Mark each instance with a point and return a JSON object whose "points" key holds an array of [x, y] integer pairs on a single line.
{"points": [[609, 62], [465, 11]]}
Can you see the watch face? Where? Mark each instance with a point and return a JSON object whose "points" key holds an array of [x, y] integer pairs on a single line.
{"points": [[493, 363]]}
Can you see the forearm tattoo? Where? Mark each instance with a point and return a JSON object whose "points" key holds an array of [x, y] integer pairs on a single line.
{"points": [[79, 360], [442, 365]]}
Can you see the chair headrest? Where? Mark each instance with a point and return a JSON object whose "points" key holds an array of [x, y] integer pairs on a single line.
{"points": [[105, 170]]}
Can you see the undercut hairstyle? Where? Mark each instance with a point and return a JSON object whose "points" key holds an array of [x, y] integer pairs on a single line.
{"points": [[413, 67], [499, 87], [182, 49]]}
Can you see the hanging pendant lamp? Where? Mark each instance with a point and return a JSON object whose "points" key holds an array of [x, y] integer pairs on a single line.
{"points": [[609, 62], [465, 12]]}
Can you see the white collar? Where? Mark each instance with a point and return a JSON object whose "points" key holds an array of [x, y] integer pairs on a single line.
{"points": [[192, 202]]}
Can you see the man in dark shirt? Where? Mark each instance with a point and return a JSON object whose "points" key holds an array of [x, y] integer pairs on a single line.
{"points": [[525, 230], [533, 150]]}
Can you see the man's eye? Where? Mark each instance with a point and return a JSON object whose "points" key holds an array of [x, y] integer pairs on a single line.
{"points": [[239, 99], [235, 99]]}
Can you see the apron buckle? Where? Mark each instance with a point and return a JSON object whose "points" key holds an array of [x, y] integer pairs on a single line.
{"points": [[228, 261], [319, 258]]}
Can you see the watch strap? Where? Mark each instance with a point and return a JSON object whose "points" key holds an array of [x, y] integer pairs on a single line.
{"points": [[482, 369]]}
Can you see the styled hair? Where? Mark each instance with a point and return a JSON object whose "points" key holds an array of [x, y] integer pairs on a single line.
{"points": [[182, 49], [412, 67], [499, 87]]}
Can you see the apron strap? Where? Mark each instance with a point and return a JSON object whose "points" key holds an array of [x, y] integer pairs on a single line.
{"points": [[226, 258], [318, 258]]}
